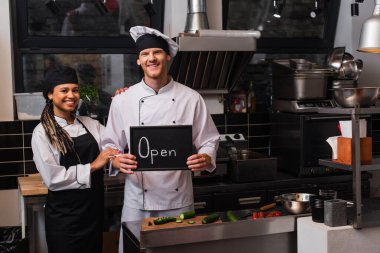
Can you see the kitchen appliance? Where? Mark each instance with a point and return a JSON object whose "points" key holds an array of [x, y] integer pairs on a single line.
{"points": [[299, 140], [246, 165], [300, 86], [211, 61]]}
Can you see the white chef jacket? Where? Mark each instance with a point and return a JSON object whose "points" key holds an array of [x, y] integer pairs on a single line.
{"points": [[47, 157], [174, 104]]}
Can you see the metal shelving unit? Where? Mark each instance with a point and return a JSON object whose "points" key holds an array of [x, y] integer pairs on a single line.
{"points": [[366, 213]]}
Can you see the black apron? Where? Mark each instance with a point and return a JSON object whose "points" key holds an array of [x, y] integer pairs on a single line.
{"points": [[74, 218]]}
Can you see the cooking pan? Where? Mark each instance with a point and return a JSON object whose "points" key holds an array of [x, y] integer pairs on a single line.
{"points": [[361, 96]]}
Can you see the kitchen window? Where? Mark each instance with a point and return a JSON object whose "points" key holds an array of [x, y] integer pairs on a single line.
{"points": [[306, 26], [91, 36]]}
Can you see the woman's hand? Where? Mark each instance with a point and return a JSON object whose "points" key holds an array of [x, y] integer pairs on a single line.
{"points": [[119, 91], [198, 162], [103, 158], [126, 163]]}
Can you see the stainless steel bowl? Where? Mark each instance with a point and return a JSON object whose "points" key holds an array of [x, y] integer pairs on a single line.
{"points": [[296, 203], [349, 97]]}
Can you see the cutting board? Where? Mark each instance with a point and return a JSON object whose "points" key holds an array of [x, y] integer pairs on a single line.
{"points": [[148, 224]]}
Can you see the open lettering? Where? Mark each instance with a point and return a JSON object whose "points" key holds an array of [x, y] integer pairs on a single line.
{"points": [[151, 153]]}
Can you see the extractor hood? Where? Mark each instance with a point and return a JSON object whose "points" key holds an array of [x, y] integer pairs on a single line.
{"points": [[211, 61]]}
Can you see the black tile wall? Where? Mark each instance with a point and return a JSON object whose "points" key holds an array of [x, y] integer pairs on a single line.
{"points": [[16, 157], [254, 126]]}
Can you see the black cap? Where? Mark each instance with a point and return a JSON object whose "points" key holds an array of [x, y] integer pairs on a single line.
{"points": [[151, 41], [57, 76]]}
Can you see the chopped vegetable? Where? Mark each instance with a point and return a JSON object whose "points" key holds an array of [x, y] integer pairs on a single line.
{"points": [[187, 215], [178, 221], [191, 222], [163, 220], [231, 216], [210, 218]]}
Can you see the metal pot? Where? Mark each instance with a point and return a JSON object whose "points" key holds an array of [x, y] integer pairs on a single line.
{"points": [[296, 203], [349, 68], [362, 96]]}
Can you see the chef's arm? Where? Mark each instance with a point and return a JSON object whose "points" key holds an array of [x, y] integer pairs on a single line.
{"points": [[114, 135], [55, 176], [205, 135]]}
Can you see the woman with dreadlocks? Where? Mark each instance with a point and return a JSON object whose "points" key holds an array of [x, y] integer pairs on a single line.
{"points": [[67, 153]]}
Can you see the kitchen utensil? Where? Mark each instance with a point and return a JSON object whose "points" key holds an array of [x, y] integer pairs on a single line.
{"points": [[348, 69], [296, 203], [335, 212], [349, 97], [317, 208], [359, 64], [301, 82], [334, 60]]}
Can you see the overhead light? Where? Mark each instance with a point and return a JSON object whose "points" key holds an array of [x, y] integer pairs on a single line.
{"points": [[370, 34], [316, 10], [278, 5], [354, 9]]}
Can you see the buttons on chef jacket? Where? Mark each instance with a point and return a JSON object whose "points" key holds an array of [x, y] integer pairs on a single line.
{"points": [[142, 123], [145, 190], [173, 99]]}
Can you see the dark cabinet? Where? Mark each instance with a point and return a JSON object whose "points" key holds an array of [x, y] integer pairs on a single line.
{"points": [[239, 200]]}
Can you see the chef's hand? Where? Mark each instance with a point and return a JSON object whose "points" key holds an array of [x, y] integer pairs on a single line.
{"points": [[198, 162], [119, 91], [126, 163], [103, 158]]}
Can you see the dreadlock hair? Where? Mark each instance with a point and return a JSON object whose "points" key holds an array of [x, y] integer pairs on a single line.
{"points": [[57, 136]]}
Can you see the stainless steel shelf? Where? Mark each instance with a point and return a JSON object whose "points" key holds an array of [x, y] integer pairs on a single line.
{"points": [[370, 167], [341, 110], [363, 216]]}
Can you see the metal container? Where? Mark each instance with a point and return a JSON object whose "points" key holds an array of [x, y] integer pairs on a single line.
{"points": [[295, 79], [362, 96], [296, 203], [249, 166]]}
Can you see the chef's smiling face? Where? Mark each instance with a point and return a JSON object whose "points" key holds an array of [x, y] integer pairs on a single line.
{"points": [[153, 62], [65, 98]]}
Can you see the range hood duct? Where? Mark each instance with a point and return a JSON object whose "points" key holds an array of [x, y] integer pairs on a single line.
{"points": [[211, 61], [196, 16]]}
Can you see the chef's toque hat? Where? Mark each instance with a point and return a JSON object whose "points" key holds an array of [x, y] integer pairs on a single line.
{"points": [[146, 37]]}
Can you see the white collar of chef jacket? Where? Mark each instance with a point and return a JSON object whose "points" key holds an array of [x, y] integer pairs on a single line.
{"points": [[166, 88], [62, 122]]}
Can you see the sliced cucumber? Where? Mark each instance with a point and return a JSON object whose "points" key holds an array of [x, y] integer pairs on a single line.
{"points": [[191, 222], [187, 215]]}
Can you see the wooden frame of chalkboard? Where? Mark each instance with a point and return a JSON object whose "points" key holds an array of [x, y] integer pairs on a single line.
{"points": [[161, 147]]}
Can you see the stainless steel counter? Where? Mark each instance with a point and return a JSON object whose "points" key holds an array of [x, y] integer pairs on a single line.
{"points": [[263, 235]]}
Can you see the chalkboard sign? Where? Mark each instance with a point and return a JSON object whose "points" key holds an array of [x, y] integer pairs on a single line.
{"points": [[161, 147]]}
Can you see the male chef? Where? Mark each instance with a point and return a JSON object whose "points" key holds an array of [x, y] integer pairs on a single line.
{"points": [[158, 100]]}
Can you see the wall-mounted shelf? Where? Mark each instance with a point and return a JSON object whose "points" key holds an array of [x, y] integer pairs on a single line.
{"points": [[370, 167], [365, 212]]}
